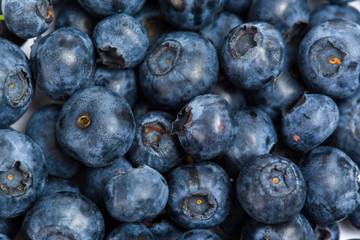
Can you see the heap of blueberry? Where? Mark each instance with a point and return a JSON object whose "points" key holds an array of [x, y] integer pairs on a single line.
{"points": [[179, 119]]}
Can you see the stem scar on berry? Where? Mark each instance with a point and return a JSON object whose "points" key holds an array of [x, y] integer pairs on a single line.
{"points": [[84, 121]]}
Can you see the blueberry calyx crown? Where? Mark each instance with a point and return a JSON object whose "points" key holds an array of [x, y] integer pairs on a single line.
{"points": [[44, 10], [15, 180], [183, 119], [165, 57], [111, 58], [199, 206], [17, 88], [152, 133], [244, 39], [84, 121], [57, 232]]}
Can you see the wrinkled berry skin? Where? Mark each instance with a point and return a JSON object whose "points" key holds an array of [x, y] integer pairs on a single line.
{"points": [[136, 195], [330, 11], [190, 14], [111, 7], [165, 229], [197, 234], [252, 55], [333, 184], [254, 135], [219, 28], [199, 195], [72, 15], [123, 82], [16, 85], [309, 122], [328, 58], [130, 231], [204, 126], [179, 67], [95, 126], [65, 215], [22, 173], [95, 179], [41, 128], [55, 185], [271, 189], [297, 228], [28, 19], [63, 62], [327, 231], [154, 145], [291, 17], [121, 41]]}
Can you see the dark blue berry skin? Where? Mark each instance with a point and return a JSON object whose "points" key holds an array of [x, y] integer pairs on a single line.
{"points": [[254, 135], [121, 41], [271, 189], [131, 231], [63, 62], [328, 58], [95, 179], [297, 228], [179, 67], [204, 126], [123, 82], [111, 7], [217, 30], [16, 85], [333, 185], [347, 135], [188, 14], [232, 94], [22, 173], [28, 19], [197, 234], [136, 195], [330, 11], [154, 145], [41, 128], [72, 15], [4, 237], [64, 215], [10, 226], [95, 126], [290, 17], [340, 1], [152, 20], [327, 231], [354, 218], [240, 8], [286, 89], [199, 195], [252, 55], [309, 122], [165, 229], [55, 185]]}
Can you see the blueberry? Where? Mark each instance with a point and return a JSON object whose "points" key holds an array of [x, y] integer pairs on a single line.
{"points": [[28, 19], [95, 126], [63, 62], [16, 83], [41, 128], [95, 179], [123, 82], [297, 228], [22, 173], [329, 231], [238, 7], [330, 11], [290, 17], [4, 237], [204, 126], [328, 58], [154, 145], [164, 229], [340, 1], [72, 15], [254, 135], [354, 218], [271, 189], [199, 195], [111, 7], [309, 122], [179, 67], [131, 231], [121, 41], [55, 185], [189, 14], [333, 182], [136, 195], [252, 55], [64, 215], [197, 234], [219, 28]]}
